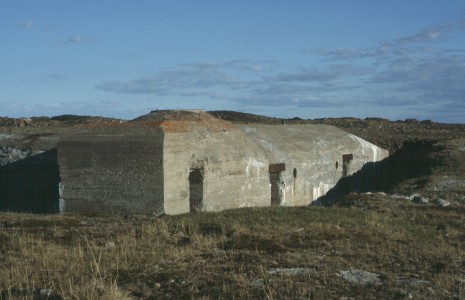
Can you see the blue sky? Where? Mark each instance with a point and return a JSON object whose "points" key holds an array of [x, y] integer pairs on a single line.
{"points": [[394, 59]]}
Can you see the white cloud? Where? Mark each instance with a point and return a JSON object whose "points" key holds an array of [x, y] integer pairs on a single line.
{"points": [[424, 36], [27, 24], [73, 40]]}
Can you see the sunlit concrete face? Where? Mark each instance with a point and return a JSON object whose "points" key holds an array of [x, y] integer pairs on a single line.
{"points": [[181, 161], [315, 157]]}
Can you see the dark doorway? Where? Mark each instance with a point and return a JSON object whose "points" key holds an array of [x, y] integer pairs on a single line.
{"points": [[345, 169], [277, 188], [196, 189], [346, 159]]}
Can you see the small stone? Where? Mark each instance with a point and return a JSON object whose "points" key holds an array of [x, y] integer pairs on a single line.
{"points": [[45, 292], [157, 285], [399, 196], [441, 202], [361, 277], [419, 199]]}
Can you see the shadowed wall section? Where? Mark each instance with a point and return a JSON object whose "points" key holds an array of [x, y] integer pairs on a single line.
{"points": [[30, 184], [112, 173], [414, 160]]}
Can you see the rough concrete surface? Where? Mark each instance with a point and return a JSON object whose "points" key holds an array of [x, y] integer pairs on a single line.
{"points": [[125, 169]]}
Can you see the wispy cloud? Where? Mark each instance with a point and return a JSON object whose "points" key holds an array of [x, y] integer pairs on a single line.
{"points": [[244, 82], [73, 40], [202, 75], [380, 51], [431, 34], [277, 97], [409, 73], [423, 81], [423, 36], [29, 24], [327, 74], [182, 79], [391, 99], [406, 45], [238, 80]]}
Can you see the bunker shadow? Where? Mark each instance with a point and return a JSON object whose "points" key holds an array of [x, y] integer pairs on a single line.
{"points": [[30, 185], [414, 160]]}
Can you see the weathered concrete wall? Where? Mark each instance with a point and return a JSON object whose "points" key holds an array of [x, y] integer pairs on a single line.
{"points": [[111, 172], [235, 165], [235, 170], [312, 155], [181, 161]]}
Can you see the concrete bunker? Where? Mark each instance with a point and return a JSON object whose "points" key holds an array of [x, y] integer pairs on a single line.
{"points": [[180, 161]]}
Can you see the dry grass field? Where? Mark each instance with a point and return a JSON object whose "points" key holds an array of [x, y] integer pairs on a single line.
{"points": [[254, 253]]}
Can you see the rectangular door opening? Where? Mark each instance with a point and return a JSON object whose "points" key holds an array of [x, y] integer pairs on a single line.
{"points": [[277, 183], [346, 159], [196, 189], [277, 188]]}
